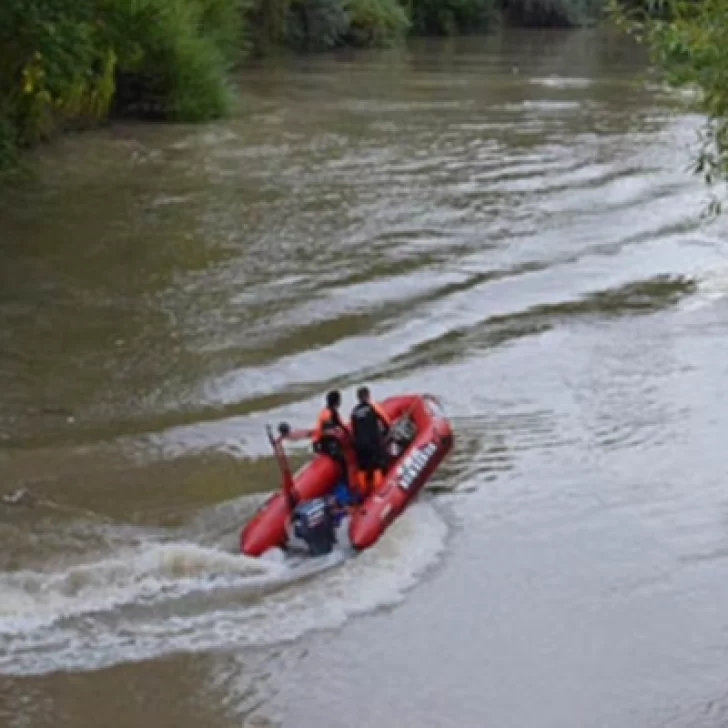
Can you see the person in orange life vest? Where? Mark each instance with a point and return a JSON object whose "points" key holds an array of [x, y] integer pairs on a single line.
{"points": [[328, 421], [369, 426], [331, 436]]}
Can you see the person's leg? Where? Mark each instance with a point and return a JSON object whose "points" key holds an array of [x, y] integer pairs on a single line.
{"points": [[380, 466], [366, 464]]}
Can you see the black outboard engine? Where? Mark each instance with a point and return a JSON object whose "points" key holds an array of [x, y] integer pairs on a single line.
{"points": [[401, 434], [313, 523]]}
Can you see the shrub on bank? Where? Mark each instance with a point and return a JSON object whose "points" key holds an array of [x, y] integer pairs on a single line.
{"points": [[54, 71], [69, 63], [450, 17], [687, 42], [174, 55], [551, 13], [375, 22], [316, 25]]}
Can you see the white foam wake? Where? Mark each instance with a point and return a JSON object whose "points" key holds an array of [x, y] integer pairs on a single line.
{"points": [[180, 596], [712, 286], [144, 574]]}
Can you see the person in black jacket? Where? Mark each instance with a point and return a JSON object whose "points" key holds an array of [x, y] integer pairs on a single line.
{"points": [[369, 426]]}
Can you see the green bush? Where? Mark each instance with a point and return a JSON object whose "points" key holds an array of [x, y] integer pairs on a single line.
{"points": [[375, 22], [450, 17], [315, 25], [54, 72], [174, 55], [688, 44], [69, 63], [552, 13]]}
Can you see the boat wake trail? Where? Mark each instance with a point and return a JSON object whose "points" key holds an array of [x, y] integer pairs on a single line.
{"points": [[160, 597]]}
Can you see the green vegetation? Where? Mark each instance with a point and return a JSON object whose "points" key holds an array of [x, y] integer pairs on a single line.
{"points": [[450, 17], [69, 64], [66, 64], [688, 44], [552, 13]]}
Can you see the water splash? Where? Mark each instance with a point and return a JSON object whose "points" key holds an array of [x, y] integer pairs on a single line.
{"points": [[169, 597], [712, 287], [145, 574]]}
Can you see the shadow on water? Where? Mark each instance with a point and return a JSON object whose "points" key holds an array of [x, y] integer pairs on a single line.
{"points": [[640, 297]]}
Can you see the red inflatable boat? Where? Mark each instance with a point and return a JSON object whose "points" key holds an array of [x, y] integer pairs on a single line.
{"points": [[420, 438]]}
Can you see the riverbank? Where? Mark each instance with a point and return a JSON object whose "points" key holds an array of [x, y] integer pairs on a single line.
{"points": [[70, 65]]}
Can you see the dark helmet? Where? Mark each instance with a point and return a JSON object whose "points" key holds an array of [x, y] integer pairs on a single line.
{"points": [[362, 394], [333, 399]]}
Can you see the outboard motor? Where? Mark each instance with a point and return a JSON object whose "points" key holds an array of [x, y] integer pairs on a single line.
{"points": [[314, 523], [401, 434]]}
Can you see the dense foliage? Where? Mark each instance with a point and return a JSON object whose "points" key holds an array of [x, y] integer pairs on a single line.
{"points": [[688, 43], [70, 63], [552, 13], [450, 17]]}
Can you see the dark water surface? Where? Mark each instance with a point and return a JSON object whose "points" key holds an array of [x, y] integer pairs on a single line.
{"points": [[507, 223]]}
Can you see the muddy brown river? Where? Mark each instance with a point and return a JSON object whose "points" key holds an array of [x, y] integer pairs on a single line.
{"points": [[507, 223]]}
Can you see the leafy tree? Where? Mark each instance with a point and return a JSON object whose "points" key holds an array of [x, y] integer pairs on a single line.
{"points": [[688, 43]]}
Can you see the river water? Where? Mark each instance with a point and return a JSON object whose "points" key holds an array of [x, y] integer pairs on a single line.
{"points": [[507, 223]]}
